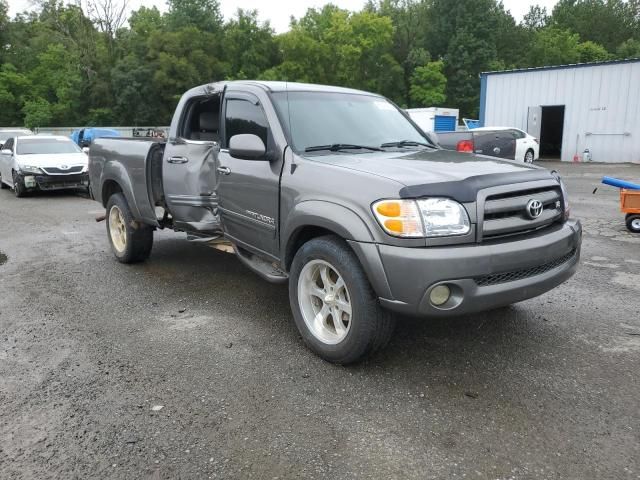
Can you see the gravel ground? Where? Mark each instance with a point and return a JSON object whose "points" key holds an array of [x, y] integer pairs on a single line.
{"points": [[189, 366]]}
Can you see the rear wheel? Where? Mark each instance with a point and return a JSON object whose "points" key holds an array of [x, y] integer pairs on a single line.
{"points": [[18, 186], [333, 304], [633, 222], [528, 157], [130, 240]]}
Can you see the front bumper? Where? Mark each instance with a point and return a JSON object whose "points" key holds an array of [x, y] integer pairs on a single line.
{"points": [[480, 276], [55, 182]]}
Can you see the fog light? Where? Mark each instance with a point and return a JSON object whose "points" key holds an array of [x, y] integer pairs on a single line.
{"points": [[440, 295]]}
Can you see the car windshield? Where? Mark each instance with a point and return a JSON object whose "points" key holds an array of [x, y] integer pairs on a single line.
{"points": [[7, 134], [34, 146], [343, 121]]}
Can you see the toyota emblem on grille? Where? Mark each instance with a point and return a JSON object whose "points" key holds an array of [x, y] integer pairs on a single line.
{"points": [[534, 209], [64, 167]]}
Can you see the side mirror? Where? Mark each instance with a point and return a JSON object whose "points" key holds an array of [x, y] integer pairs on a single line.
{"points": [[247, 147], [85, 150], [6, 151]]}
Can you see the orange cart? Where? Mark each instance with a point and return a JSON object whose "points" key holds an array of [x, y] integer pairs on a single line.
{"points": [[630, 204]]}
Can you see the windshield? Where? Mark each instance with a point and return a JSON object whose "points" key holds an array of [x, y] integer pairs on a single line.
{"points": [[34, 146], [329, 118], [7, 134]]}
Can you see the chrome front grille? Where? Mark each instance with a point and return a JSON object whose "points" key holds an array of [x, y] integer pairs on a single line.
{"points": [[61, 171], [507, 213]]}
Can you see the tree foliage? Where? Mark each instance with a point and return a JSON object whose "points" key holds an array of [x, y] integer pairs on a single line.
{"points": [[80, 63]]}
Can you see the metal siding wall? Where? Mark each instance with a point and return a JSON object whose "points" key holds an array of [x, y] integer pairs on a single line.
{"points": [[597, 99]]}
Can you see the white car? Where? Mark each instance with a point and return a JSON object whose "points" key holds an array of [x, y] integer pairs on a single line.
{"points": [[6, 133], [50, 162], [527, 146]]}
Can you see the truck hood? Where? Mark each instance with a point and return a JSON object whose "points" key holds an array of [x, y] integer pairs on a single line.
{"points": [[53, 159], [439, 172]]}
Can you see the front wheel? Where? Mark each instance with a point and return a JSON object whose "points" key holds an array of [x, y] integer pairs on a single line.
{"points": [[131, 241], [18, 186], [633, 223], [333, 304], [528, 157]]}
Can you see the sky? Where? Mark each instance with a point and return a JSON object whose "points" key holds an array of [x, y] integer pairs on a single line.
{"points": [[279, 12]]}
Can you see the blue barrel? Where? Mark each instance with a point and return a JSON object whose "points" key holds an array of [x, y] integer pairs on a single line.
{"points": [[614, 182]]}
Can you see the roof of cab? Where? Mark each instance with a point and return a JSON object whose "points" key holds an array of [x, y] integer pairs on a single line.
{"points": [[273, 86]]}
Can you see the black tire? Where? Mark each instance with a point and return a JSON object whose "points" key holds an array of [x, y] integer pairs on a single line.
{"points": [[529, 156], [19, 189], [633, 222], [371, 326], [138, 239]]}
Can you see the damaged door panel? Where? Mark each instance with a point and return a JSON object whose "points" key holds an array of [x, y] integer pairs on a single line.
{"points": [[189, 169]]}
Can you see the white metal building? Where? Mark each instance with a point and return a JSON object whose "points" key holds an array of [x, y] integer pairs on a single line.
{"points": [[570, 108]]}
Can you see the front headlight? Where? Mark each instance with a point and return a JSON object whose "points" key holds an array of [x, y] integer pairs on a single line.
{"points": [[431, 217], [443, 217], [31, 169]]}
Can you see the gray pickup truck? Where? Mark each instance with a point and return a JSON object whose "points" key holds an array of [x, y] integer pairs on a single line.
{"points": [[338, 193]]}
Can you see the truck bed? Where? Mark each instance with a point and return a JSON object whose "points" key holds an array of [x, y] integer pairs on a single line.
{"points": [[137, 162]]}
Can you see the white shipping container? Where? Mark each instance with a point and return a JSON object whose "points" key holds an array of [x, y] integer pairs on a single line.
{"points": [[435, 119]]}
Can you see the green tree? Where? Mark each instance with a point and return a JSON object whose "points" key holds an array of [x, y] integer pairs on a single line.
{"points": [[178, 61], [428, 85], [553, 46], [249, 45], [204, 15], [536, 18], [410, 20], [37, 113], [13, 87], [605, 22], [592, 52], [629, 49]]}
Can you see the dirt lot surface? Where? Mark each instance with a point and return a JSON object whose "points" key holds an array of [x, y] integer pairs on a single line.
{"points": [[189, 366]]}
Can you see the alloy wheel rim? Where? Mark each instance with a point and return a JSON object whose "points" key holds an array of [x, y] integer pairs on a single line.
{"points": [[635, 223], [117, 229], [528, 157], [325, 302]]}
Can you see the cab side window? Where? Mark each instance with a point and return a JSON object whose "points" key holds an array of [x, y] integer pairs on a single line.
{"points": [[8, 144], [244, 116], [201, 120]]}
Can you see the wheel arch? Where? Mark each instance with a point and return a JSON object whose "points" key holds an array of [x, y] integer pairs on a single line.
{"points": [[115, 179], [314, 218]]}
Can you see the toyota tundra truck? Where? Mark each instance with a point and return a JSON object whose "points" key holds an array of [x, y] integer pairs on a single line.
{"points": [[338, 193]]}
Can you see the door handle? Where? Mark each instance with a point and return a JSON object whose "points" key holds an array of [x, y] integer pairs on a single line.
{"points": [[178, 160], [223, 170]]}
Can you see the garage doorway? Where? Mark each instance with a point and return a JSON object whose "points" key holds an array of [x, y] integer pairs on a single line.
{"points": [[551, 132]]}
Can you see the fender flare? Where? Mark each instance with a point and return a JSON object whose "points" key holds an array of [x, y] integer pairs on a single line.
{"points": [[328, 215], [115, 172], [345, 223]]}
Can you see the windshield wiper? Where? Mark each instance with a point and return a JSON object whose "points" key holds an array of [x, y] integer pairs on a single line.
{"points": [[336, 147], [406, 143]]}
